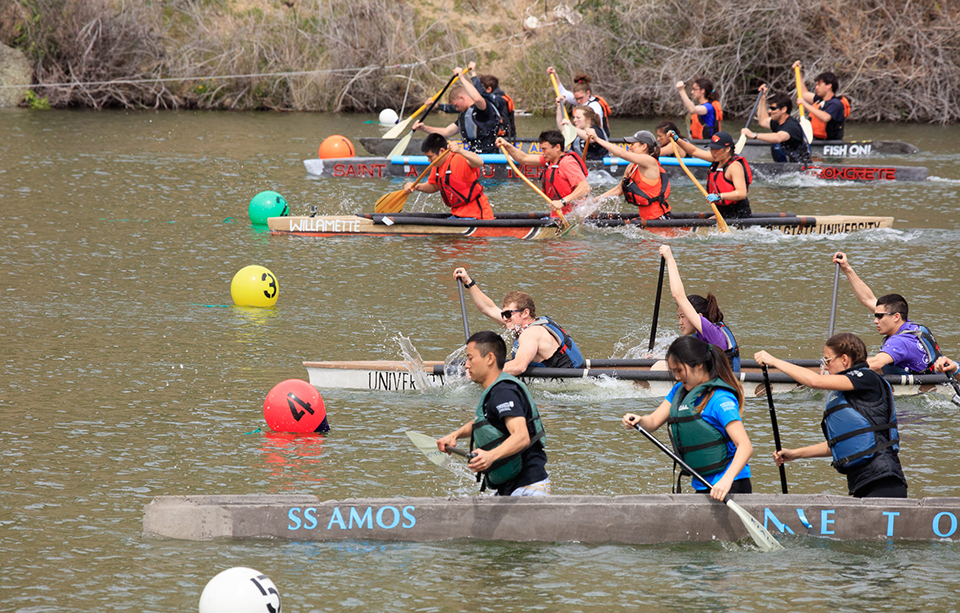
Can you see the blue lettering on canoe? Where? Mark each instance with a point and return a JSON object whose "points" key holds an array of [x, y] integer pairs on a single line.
{"points": [[310, 518], [824, 520], [937, 523], [387, 517], [337, 518], [367, 518], [890, 515], [781, 526], [294, 515]]}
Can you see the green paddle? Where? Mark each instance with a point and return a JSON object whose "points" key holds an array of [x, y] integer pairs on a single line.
{"points": [[764, 540], [428, 446]]}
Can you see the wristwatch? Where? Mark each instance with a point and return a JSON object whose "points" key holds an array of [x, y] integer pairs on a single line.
{"points": [[469, 285], [563, 202]]}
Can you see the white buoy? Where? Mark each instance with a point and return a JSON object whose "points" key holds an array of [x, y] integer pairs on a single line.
{"points": [[240, 590], [388, 117]]}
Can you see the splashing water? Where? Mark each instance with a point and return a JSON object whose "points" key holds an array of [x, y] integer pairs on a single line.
{"points": [[414, 363]]}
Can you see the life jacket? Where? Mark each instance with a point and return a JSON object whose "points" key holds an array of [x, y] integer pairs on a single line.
{"points": [[698, 129], [480, 137], [698, 443], [594, 151], [567, 355], [556, 186], [931, 348], [510, 123], [857, 431], [486, 436], [717, 182], [463, 198], [733, 353], [604, 121], [651, 200], [820, 127]]}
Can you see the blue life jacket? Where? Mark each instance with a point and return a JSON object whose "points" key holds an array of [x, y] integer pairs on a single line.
{"points": [[733, 353], [929, 343], [567, 355], [857, 431]]}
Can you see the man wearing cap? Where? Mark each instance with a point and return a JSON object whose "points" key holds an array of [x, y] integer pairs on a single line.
{"points": [[564, 175], [729, 176], [644, 183], [786, 136]]}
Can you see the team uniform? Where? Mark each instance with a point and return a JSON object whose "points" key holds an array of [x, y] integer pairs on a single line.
{"points": [[521, 474], [717, 183], [721, 336], [838, 109], [460, 188], [650, 197], [560, 179], [861, 430], [913, 349], [705, 126], [701, 439], [795, 149]]}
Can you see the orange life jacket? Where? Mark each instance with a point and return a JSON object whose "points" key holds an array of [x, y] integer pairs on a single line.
{"points": [[697, 127], [605, 123], [650, 199], [556, 186], [465, 199], [820, 127]]}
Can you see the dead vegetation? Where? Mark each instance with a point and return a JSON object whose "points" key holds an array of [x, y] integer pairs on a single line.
{"points": [[897, 60]]}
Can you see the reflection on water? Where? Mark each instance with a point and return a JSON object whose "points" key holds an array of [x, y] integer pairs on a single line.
{"points": [[128, 373]]}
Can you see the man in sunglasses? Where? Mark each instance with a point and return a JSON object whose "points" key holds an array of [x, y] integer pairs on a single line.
{"points": [[787, 143], [539, 341], [908, 348]]}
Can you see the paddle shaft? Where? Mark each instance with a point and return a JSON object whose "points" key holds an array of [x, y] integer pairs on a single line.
{"points": [[833, 303], [463, 312], [656, 305], [776, 429], [430, 166], [753, 111], [675, 457], [556, 89], [721, 222], [517, 172]]}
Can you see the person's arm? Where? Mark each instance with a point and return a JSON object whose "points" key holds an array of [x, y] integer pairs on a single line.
{"points": [[484, 304], [805, 376], [517, 441], [946, 366], [688, 104], [478, 101], [738, 435], [677, 291], [426, 188], [528, 345], [567, 95], [444, 132], [615, 191], [689, 148], [527, 159], [473, 160], [860, 289], [880, 360], [450, 440], [804, 95], [763, 117], [560, 116], [739, 183], [820, 450], [649, 422]]}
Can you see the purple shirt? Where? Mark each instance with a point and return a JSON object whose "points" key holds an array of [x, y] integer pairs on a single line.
{"points": [[906, 349], [712, 334]]}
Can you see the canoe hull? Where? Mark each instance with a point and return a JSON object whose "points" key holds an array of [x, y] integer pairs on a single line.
{"points": [[641, 519]]}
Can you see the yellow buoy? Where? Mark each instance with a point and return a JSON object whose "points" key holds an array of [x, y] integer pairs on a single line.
{"points": [[254, 286]]}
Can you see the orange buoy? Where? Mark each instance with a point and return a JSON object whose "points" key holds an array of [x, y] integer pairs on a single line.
{"points": [[336, 146]]}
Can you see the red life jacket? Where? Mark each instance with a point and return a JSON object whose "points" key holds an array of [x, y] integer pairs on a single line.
{"points": [[465, 199], [699, 130], [651, 200], [556, 186], [717, 182], [820, 127]]}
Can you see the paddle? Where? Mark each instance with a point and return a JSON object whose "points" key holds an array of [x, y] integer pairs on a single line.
{"points": [[804, 121], [656, 305], [569, 132], [402, 145], [564, 225], [755, 529], [773, 422], [463, 311], [428, 446], [394, 201], [742, 141], [833, 303], [721, 222]]}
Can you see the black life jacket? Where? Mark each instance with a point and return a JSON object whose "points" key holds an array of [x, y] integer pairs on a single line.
{"points": [[482, 137]]}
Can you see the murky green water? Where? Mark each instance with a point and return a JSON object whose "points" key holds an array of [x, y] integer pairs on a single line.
{"points": [[126, 374]]}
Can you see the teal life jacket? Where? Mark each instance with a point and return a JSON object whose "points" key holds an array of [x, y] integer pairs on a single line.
{"points": [[855, 430], [486, 436], [697, 442]]}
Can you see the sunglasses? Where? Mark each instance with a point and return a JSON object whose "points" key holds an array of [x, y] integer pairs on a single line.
{"points": [[881, 315], [508, 313], [825, 361]]}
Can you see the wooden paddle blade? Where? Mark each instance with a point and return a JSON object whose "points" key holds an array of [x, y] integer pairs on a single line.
{"points": [[569, 135], [806, 126], [392, 202], [760, 535], [721, 222], [401, 145], [741, 143]]}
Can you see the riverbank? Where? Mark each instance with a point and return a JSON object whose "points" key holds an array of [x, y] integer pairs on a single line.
{"points": [[894, 63]]}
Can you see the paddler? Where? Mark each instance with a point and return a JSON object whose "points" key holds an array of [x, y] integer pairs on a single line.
{"points": [[664, 128], [787, 142], [539, 341], [457, 178], [582, 95], [828, 110], [702, 413], [506, 435], [645, 184], [491, 86], [729, 176], [908, 348], [564, 175], [479, 122], [582, 118], [700, 317], [704, 109], [859, 420]]}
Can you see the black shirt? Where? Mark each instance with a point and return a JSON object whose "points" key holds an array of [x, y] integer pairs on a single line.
{"points": [[506, 399], [833, 107], [795, 147]]}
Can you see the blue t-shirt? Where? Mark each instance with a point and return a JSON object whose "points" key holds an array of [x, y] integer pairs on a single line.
{"points": [[906, 350], [720, 411]]}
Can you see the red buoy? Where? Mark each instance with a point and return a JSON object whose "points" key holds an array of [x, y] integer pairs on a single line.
{"points": [[295, 406], [336, 146]]}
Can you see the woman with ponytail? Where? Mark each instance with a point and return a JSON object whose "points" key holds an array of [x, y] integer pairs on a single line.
{"points": [[701, 316], [702, 413]]}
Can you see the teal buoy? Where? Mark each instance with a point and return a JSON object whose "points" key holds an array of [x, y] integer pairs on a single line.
{"points": [[267, 204]]}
